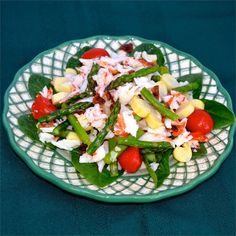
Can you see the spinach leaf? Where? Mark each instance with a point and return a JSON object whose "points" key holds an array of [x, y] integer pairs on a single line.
{"points": [[193, 78], [74, 62], [200, 152], [151, 49], [220, 114], [27, 124], [163, 169], [90, 171], [36, 83]]}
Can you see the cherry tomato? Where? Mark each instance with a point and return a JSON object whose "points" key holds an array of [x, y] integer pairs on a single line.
{"points": [[200, 121], [202, 138], [42, 106], [95, 52], [131, 159]]}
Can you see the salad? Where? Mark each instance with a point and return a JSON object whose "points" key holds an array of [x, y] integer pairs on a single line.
{"points": [[117, 112]]}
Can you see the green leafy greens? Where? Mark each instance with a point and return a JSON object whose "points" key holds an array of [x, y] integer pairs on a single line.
{"points": [[222, 116], [74, 62], [36, 83], [151, 49], [193, 78], [27, 124], [163, 169], [90, 171], [200, 152]]}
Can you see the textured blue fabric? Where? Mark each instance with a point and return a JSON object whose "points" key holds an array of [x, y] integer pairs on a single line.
{"points": [[31, 205]]}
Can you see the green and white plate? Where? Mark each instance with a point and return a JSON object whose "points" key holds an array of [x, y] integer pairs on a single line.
{"points": [[55, 166]]}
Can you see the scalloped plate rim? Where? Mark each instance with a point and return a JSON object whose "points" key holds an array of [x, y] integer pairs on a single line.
{"points": [[118, 198]]}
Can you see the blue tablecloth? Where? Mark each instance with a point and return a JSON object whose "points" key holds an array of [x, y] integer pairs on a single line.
{"points": [[31, 205]]}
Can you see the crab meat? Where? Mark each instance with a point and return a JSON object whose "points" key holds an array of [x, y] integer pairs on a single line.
{"points": [[97, 156], [103, 79], [96, 118], [47, 93]]}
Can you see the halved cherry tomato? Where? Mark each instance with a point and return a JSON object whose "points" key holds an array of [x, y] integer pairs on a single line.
{"points": [[200, 121], [94, 53], [42, 106], [131, 159], [202, 138]]}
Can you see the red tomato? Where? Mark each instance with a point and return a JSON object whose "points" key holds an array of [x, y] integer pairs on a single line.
{"points": [[95, 52], [200, 121], [202, 138], [131, 159], [42, 106]]}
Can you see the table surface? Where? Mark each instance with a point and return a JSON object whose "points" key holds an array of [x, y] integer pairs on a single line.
{"points": [[33, 206]]}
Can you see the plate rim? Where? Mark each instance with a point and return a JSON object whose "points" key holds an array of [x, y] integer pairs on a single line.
{"points": [[102, 196]]}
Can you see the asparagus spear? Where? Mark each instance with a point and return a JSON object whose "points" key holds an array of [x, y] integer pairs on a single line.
{"points": [[114, 169], [91, 83], [61, 127], [164, 70], [163, 169], [112, 155], [153, 154], [111, 143], [63, 133], [151, 172], [75, 98], [187, 88], [156, 78], [158, 156], [129, 78], [133, 142], [137, 118], [150, 150], [108, 126], [159, 106], [65, 111], [113, 165], [79, 129], [114, 152], [151, 157]]}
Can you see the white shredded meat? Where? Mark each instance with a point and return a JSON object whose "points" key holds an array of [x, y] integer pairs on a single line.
{"points": [[96, 117], [98, 155]]}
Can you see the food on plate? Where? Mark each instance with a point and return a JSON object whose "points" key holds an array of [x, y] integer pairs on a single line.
{"points": [[117, 111]]}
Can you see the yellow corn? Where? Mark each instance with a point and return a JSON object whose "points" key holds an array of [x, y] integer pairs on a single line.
{"points": [[183, 154], [61, 85], [185, 110]]}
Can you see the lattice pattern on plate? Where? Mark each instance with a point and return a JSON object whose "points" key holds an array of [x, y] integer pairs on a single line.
{"points": [[52, 64]]}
